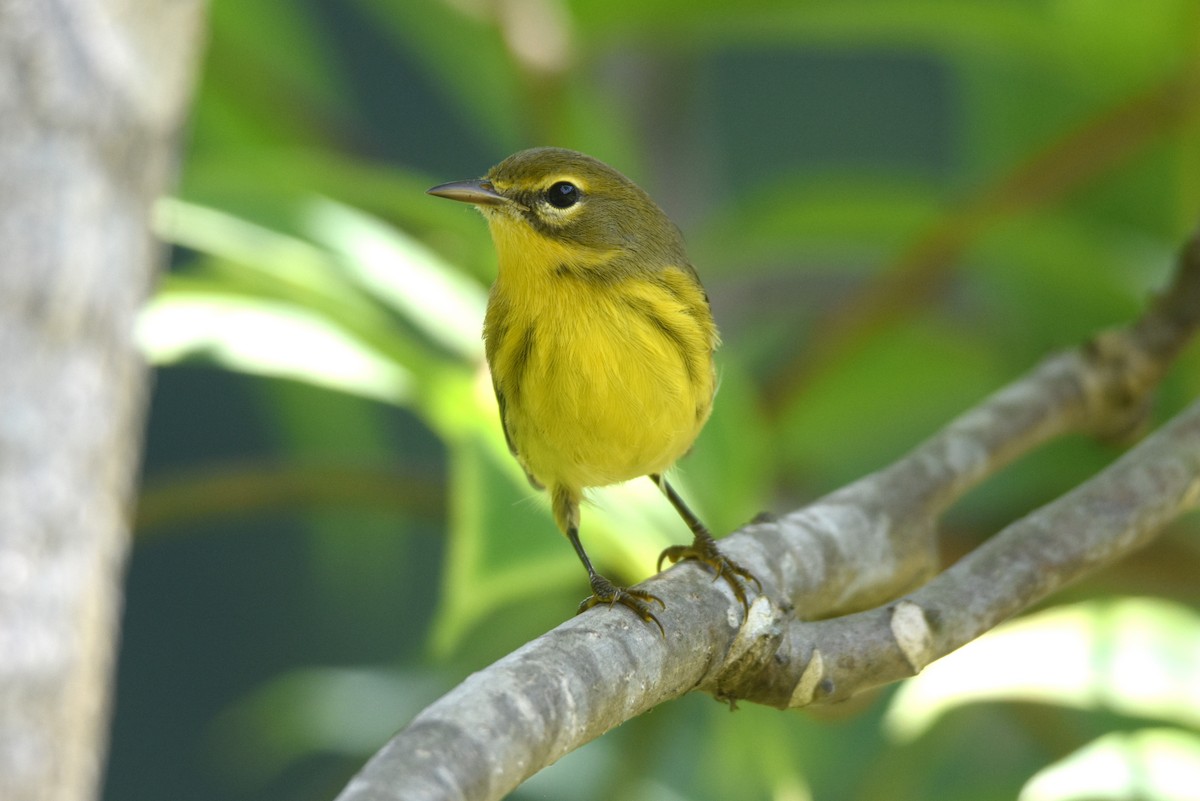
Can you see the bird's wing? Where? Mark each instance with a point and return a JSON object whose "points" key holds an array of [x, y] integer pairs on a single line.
{"points": [[512, 448]]}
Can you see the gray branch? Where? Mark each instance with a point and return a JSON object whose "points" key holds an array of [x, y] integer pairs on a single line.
{"points": [[833, 618], [92, 94]]}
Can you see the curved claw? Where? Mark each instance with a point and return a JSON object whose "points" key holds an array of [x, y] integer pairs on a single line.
{"points": [[605, 592], [704, 549]]}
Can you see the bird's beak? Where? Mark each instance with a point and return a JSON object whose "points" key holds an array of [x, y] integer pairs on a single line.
{"points": [[478, 191]]}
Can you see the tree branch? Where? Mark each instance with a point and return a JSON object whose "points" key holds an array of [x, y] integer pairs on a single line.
{"points": [[1100, 521], [855, 549]]}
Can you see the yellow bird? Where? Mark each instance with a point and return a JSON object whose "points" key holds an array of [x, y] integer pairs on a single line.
{"points": [[599, 339]]}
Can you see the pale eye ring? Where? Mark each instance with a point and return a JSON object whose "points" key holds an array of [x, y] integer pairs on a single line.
{"points": [[563, 195]]}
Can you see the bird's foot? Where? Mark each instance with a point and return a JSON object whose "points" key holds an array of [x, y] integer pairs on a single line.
{"points": [[605, 592], [704, 549]]}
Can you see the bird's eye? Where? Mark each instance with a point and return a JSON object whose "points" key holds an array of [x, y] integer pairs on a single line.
{"points": [[562, 195]]}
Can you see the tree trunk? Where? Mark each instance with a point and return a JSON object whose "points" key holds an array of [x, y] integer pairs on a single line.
{"points": [[92, 93]]}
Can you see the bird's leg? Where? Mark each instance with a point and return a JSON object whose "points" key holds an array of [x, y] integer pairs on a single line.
{"points": [[704, 547], [566, 513]]}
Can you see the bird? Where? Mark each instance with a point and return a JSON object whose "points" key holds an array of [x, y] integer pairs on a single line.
{"points": [[600, 340]]}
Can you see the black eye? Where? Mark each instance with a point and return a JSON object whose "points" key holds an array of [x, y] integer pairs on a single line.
{"points": [[562, 195]]}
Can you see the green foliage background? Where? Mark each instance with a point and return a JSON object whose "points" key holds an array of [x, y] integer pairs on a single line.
{"points": [[896, 207]]}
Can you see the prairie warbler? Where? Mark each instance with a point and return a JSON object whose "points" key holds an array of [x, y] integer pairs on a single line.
{"points": [[600, 342]]}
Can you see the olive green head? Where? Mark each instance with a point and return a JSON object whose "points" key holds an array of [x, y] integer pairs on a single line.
{"points": [[571, 198]]}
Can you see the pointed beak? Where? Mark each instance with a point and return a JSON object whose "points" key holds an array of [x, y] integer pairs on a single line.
{"points": [[478, 191]]}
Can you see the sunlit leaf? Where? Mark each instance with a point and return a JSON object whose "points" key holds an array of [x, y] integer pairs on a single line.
{"points": [[505, 548], [757, 755], [265, 338], [286, 260], [406, 275], [1136, 656], [1146, 765], [263, 263], [275, 187]]}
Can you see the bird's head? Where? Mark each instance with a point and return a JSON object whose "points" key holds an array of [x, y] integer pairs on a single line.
{"points": [[566, 205]]}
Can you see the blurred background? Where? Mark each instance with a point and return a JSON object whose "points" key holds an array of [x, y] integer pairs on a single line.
{"points": [[896, 208]]}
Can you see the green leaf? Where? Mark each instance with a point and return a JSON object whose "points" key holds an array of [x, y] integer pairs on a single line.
{"points": [[348, 290], [315, 711], [468, 58], [1147, 765], [1052, 280], [966, 29], [288, 262], [502, 548], [275, 188], [729, 472], [850, 218], [270, 78], [1136, 656], [900, 387], [396, 269], [263, 337]]}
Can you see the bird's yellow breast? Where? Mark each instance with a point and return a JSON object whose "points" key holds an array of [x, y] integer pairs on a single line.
{"points": [[603, 375]]}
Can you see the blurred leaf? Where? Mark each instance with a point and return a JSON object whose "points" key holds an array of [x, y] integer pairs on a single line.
{"points": [[251, 488], [297, 49], [346, 289], [1102, 47], [275, 188], [467, 57], [268, 338], [1136, 656], [288, 262], [394, 268], [502, 547], [269, 78], [315, 711], [1146, 765], [849, 218], [732, 464], [952, 27], [1051, 281], [901, 387], [749, 756]]}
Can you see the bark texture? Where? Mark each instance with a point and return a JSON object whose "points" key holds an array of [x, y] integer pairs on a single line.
{"points": [[92, 94]]}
